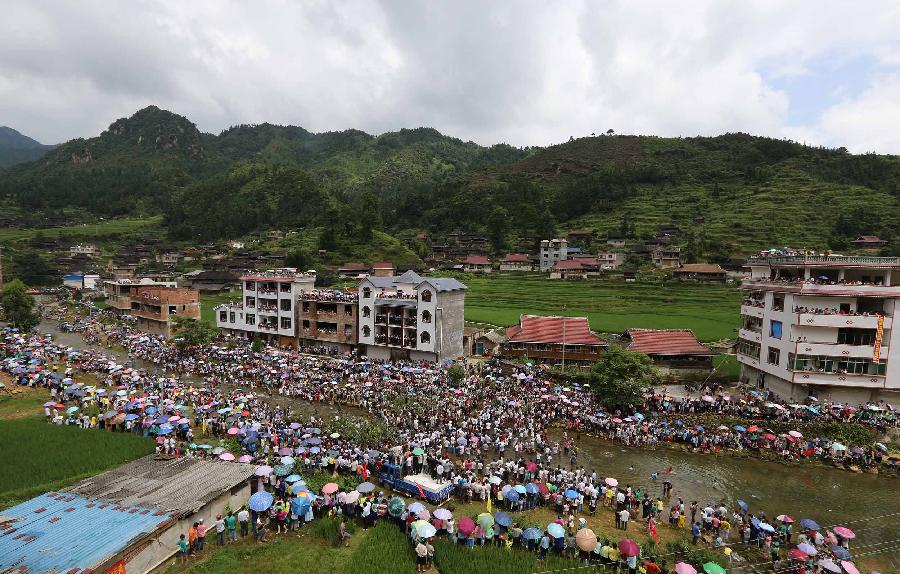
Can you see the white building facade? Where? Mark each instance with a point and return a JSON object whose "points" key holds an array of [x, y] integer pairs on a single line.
{"points": [[553, 250], [822, 326], [268, 307], [411, 317]]}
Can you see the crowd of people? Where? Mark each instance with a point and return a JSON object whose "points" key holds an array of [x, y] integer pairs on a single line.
{"points": [[486, 432]]}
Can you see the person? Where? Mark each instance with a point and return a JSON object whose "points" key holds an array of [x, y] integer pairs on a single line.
{"points": [[260, 528], [192, 538], [623, 518], [430, 548], [182, 548], [421, 557], [231, 524], [220, 530], [201, 535], [343, 534], [243, 517], [695, 532], [545, 546]]}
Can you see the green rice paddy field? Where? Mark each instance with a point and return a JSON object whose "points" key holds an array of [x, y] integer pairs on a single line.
{"points": [[711, 311]]}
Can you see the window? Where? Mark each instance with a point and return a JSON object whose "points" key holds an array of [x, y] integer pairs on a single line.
{"points": [[173, 309], [348, 331], [348, 310], [778, 302], [426, 316], [250, 301], [425, 337], [775, 329], [306, 323], [285, 322], [841, 365], [251, 286], [367, 331], [774, 357], [223, 316], [251, 319], [232, 317], [859, 337], [366, 311], [367, 293], [426, 296], [748, 348], [285, 304]]}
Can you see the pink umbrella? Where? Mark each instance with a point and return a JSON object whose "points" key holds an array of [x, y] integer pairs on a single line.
{"points": [[330, 488], [617, 420], [245, 458], [285, 451], [466, 526], [263, 470], [226, 456], [611, 482], [629, 548], [423, 514], [844, 532], [443, 514], [233, 431], [849, 567], [795, 434], [685, 568]]}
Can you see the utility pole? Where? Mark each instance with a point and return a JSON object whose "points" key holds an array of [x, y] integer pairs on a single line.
{"points": [[1, 267]]}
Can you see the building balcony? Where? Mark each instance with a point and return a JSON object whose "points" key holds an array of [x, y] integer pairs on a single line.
{"points": [[395, 320], [381, 319], [823, 289], [752, 311], [841, 321], [839, 350], [750, 335], [839, 379]]}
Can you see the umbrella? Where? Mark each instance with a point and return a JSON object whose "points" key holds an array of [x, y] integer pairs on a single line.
{"points": [[586, 539], [531, 488], [263, 470], [418, 451], [502, 518], [828, 564], [226, 456], [556, 530], [71, 410], [739, 428], [261, 501], [218, 450], [520, 488], [531, 534], [233, 431], [807, 549], [424, 529], [684, 568], [485, 520], [396, 506], [352, 497], [849, 567], [495, 480], [571, 494], [713, 568], [288, 461], [245, 458], [293, 478], [798, 555], [423, 514], [443, 514], [330, 488], [629, 548], [365, 487], [743, 505], [416, 507], [810, 524], [844, 532], [283, 470], [466, 526], [611, 482], [784, 518], [512, 495], [795, 434], [298, 487], [841, 552]]}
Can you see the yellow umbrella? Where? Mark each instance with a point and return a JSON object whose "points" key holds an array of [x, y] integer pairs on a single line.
{"points": [[586, 540]]}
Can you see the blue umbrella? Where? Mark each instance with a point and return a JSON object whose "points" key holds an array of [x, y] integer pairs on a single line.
{"points": [[699, 428], [531, 488], [678, 423], [365, 488], [744, 506], [261, 501], [739, 428], [841, 552], [556, 530], [531, 534], [520, 488], [71, 410], [293, 478], [503, 519], [299, 506], [512, 495], [810, 524], [131, 417], [571, 494]]}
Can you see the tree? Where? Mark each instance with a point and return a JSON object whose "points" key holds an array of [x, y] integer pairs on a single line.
{"points": [[190, 332], [456, 373], [620, 376], [18, 306], [299, 258]]}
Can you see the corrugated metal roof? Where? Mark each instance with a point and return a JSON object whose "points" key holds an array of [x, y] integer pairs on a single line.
{"points": [[539, 329], [180, 485], [666, 342], [59, 532]]}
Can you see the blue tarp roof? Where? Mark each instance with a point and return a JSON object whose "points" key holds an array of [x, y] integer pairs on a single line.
{"points": [[48, 533]]}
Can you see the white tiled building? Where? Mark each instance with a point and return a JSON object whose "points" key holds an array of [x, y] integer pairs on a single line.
{"points": [[268, 307], [411, 317], [552, 251], [822, 326]]}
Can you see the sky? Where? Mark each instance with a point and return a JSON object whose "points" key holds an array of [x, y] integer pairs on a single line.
{"points": [[515, 71]]}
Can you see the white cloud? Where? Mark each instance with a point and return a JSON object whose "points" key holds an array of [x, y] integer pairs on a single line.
{"points": [[527, 72]]}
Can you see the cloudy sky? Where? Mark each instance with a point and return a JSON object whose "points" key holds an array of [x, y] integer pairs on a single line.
{"points": [[515, 71]]}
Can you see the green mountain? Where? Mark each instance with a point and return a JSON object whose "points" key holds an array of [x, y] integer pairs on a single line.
{"points": [[728, 195], [18, 148]]}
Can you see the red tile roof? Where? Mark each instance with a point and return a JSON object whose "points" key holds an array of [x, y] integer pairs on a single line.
{"points": [[700, 268], [477, 260], [666, 342], [568, 265], [383, 265], [354, 266], [538, 329], [516, 258]]}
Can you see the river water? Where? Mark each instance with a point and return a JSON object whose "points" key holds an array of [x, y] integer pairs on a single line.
{"points": [[868, 504]]}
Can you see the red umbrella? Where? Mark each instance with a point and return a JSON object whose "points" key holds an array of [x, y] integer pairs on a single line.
{"points": [[466, 526], [752, 428], [542, 487], [769, 436], [629, 547], [798, 555], [531, 466], [844, 532]]}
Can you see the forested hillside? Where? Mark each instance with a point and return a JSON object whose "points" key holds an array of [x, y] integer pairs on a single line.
{"points": [[729, 195], [19, 148]]}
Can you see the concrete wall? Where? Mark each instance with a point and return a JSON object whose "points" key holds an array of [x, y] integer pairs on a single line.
{"points": [[164, 546], [452, 325]]}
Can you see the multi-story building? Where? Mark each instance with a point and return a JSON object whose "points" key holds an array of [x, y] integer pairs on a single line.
{"points": [[552, 251], [821, 326], [666, 256], [610, 260], [554, 340], [88, 249], [118, 292], [328, 318], [516, 262], [411, 317], [268, 306], [154, 307]]}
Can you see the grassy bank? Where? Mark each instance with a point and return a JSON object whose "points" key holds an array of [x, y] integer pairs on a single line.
{"points": [[90, 232], [712, 312], [209, 302]]}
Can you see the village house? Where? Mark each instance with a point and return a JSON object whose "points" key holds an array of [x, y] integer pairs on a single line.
{"points": [[477, 264], [353, 270], [154, 307], [516, 262], [868, 242], [610, 260], [703, 272], [328, 318], [86, 250], [488, 343], [553, 340], [169, 258], [675, 352], [553, 251], [581, 235], [568, 269], [615, 239], [118, 291], [383, 269], [211, 281], [666, 256]]}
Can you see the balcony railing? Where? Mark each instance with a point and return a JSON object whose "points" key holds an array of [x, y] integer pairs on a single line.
{"points": [[395, 320], [381, 319]]}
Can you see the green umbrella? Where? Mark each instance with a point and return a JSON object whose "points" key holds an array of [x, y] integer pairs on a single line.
{"points": [[283, 470], [713, 568], [396, 506], [418, 451], [485, 520]]}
